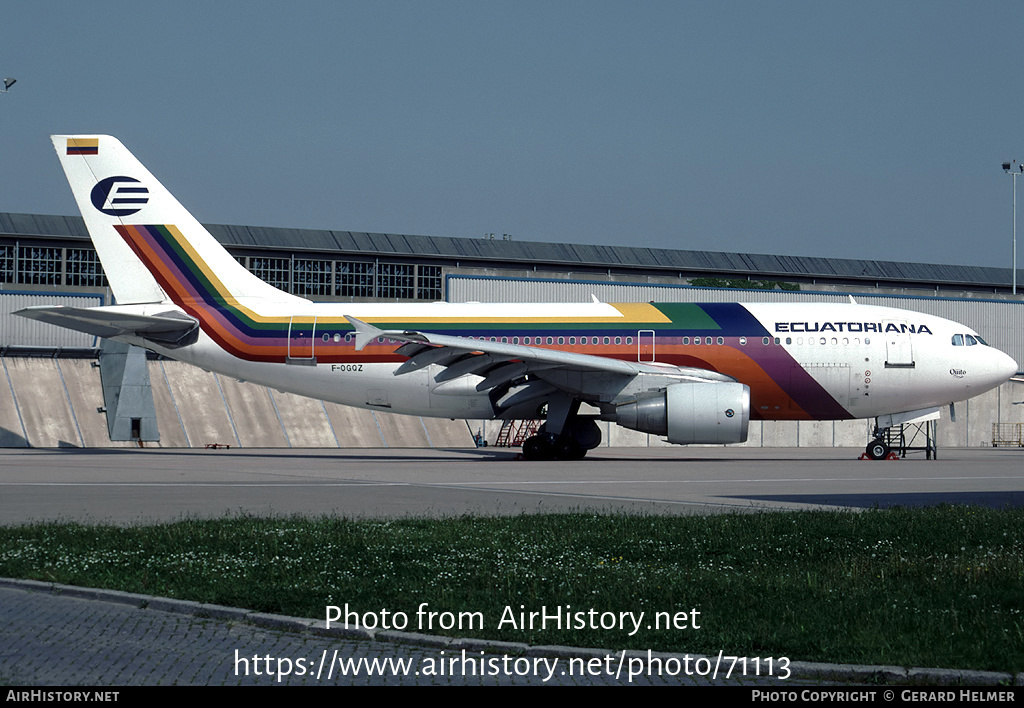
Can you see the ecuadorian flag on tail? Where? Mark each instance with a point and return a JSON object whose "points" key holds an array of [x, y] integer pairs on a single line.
{"points": [[83, 146]]}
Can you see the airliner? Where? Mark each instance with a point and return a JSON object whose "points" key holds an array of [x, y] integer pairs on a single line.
{"points": [[693, 373]]}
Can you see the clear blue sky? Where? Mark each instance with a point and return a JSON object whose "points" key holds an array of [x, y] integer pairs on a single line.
{"points": [[858, 130]]}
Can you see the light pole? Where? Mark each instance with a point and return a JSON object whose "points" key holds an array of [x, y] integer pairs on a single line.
{"points": [[1008, 169]]}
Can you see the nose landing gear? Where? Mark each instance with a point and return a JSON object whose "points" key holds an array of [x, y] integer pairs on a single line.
{"points": [[904, 438]]}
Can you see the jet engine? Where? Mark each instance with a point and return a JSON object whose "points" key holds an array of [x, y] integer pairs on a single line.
{"points": [[690, 413]]}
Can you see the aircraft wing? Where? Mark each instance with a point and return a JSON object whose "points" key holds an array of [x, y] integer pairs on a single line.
{"points": [[167, 327], [501, 362]]}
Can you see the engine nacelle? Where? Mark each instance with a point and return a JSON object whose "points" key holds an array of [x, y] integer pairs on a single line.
{"points": [[716, 413]]}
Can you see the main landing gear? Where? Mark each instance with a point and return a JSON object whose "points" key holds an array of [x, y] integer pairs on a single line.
{"points": [[565, 435]]}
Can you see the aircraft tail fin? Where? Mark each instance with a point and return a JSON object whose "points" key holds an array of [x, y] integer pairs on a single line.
{"points": [[152, 249]]}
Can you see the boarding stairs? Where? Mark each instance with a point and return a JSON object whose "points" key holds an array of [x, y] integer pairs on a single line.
{"points": [[514, 432]]}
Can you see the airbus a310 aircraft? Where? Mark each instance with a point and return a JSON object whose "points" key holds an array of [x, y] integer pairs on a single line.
{"points": [[694, 373]]}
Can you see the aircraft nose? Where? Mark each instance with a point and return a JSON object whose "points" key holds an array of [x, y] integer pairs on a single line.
{"points": [[1006, 367], [999, 367]]}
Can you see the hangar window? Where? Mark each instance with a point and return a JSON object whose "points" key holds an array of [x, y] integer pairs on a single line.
{"points": [[353, 279], [39, 266], [311, 277], [81, 267], [6, 264], [396, 281], [275, 271], [428, 283]]}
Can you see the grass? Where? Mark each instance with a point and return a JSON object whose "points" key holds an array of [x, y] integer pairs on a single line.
{"points": [[940, 587]]}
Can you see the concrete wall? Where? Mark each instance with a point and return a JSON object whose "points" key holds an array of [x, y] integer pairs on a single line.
{"points": [[46, 402]]}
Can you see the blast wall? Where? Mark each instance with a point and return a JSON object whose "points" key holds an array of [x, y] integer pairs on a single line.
{"points": [[54, 402]]}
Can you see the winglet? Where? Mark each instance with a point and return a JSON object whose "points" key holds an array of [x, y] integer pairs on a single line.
{"points": [[365, 333]]}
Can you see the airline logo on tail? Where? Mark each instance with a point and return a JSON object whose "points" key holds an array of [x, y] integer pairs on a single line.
{"points": [[117, 196]]}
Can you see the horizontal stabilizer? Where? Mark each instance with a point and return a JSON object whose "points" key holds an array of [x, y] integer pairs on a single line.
{"points": [[167, 327]]}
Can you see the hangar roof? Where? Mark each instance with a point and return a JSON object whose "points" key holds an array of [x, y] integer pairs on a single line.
{"points": [[563, 254]]}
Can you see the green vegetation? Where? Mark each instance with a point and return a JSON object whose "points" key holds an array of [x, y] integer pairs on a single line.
{"points": [[743, 284], [940, 587]]}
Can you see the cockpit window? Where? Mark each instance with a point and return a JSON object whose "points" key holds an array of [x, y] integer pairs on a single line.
{"points": [[960, 340]]}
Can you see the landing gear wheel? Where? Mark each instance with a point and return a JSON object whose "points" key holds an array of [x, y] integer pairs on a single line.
{"points": [[877, 450], [538, 447]]}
